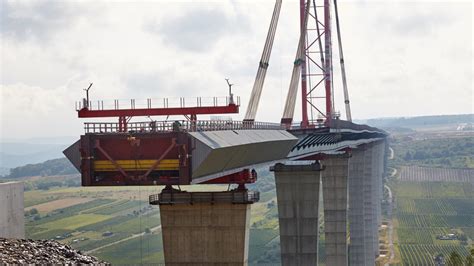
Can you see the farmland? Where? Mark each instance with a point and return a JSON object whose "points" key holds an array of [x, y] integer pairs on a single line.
{"points": [[433, 187], [427, 210], [433, 191], [118, 225]]}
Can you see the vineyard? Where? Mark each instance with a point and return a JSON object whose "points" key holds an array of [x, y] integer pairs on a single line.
{"points": [[429, 209], [422, 255], [416, 173]]}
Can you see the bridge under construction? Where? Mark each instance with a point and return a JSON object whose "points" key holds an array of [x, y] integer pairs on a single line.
{"points": [[323, 152]]}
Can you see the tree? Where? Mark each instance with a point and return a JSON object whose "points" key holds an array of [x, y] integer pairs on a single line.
{"points": [[455, 259], [470, 258]]}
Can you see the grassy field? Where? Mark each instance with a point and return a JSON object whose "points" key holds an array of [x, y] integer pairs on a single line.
{"points": [[36, 197], [110, 222], [427, 210], [50, 206], [74, 222]]}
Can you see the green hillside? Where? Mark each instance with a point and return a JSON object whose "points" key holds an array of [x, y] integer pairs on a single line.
{"points": [[60, 166]]}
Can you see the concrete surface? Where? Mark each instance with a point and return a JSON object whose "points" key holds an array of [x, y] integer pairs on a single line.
{"points": [[369, 210], [298, 197], [217, 151], [12, 221], [334, 179], [205, 233], [356, 208]]}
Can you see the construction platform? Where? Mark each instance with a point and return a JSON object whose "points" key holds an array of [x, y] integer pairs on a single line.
{"points": [[175, 153]]}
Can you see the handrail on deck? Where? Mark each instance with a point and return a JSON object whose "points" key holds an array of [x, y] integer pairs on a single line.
{"points": [[181, 125], [152, 103]]}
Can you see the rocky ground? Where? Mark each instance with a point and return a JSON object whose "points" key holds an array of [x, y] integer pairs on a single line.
{"points": [[40, 252]]}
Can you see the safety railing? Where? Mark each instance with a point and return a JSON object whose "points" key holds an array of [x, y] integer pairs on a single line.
{"points": [[182, 125], [150, 103]]}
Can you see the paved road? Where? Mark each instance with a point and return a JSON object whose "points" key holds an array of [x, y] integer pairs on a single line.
{"points": [[394, 172], [123, 240], [390, 223], [389, 212]]}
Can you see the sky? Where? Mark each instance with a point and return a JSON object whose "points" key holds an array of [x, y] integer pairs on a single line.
{"points": [[403, 58]]}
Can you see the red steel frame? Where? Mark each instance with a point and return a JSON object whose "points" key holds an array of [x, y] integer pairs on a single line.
{"points": [[314, 73], [124, 115], [304, 94], [158, 146], [231, 108]]}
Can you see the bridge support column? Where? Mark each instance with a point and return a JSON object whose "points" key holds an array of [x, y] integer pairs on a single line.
{"points": [[356, 209], [298, 198], [370, 212], [205, 228], [379, 150], [334, 179]]}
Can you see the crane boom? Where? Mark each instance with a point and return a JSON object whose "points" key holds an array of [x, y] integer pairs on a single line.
{"points": [[290, 103], [343, 68], [263, 65]]}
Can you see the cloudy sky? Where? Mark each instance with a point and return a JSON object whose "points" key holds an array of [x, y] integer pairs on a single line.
{"points": [[403, 58]]}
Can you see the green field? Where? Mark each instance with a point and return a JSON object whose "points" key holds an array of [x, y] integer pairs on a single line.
{"points": [[76, 221], [125, 213], [425, 210]]}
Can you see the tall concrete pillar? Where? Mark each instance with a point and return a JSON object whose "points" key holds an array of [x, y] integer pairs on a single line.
{"points": [[370, 223], [12, 221], [298, 199], [334, 179], [379, 165], [205, 228], [356, 208], [381, 158]]}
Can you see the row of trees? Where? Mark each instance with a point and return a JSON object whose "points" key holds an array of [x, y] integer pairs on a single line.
{"points": [[456, 260], [59, 166], [451, 152]]}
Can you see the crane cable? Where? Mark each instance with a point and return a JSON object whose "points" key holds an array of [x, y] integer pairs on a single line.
{"points": [[343, 68], [295, 76], [263, 65]]}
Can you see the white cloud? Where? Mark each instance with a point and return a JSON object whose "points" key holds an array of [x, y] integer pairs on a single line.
{"points": [[403, 58]]}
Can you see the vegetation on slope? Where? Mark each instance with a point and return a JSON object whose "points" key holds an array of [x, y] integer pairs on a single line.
{"points": [[60, 166], [445, 152], [421, 121]]}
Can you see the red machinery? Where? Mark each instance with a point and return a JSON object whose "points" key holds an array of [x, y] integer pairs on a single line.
{"points": [[146, 153]]}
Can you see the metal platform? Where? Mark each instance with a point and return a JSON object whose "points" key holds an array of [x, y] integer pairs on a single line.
{"points": [[176, 153], [183, 197]]}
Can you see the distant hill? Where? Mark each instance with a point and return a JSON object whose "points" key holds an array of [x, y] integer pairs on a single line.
{"points": [[60, 166], [13, 154], [420, 121]]}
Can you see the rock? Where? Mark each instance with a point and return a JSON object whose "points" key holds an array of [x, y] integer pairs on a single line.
{"points": [[38, 252]]}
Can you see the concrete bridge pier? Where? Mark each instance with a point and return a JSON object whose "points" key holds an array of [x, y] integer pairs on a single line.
{"points": [[334, 179], [357, 256], [298, 199], [370, 223], [205, 228], [379, 150]]}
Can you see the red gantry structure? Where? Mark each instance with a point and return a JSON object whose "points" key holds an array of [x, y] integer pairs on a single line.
{"points": [[168, 152]]}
